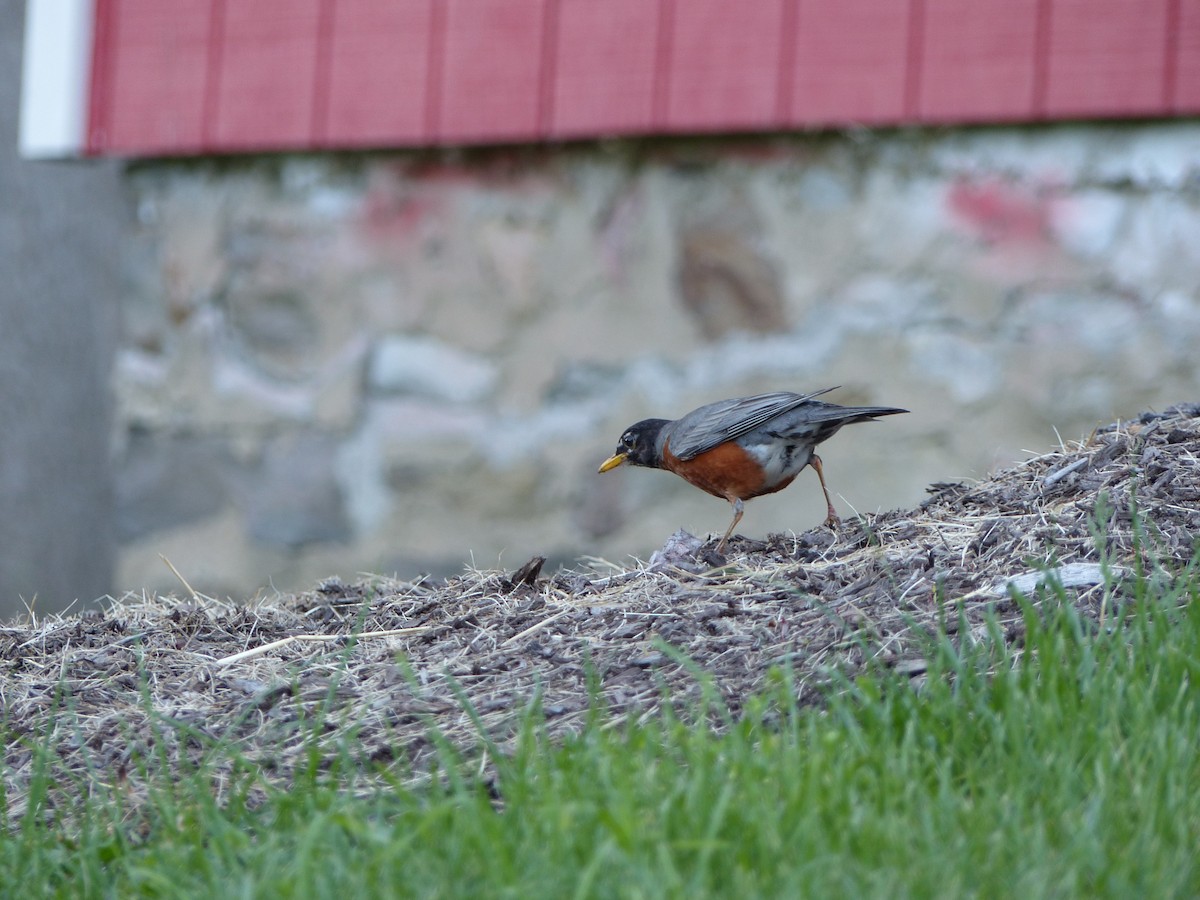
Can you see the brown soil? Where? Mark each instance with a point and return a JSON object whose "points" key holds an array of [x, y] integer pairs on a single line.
{"points": [[384, 661]]}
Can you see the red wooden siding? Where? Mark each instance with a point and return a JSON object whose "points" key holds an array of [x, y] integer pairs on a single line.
{"points": [[1183, 81], [851, 61], [703, 91], [1106, 57], [980, 60], [492, 71], [394, 37], [150, 66], [194, 76], [267, 87], [618, 38]]}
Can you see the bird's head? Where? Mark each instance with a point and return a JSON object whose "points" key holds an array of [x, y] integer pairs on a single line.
{"points": [[638, 446]]}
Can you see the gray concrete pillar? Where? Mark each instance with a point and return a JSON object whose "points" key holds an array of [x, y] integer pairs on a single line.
{"points": [[61, 225]]}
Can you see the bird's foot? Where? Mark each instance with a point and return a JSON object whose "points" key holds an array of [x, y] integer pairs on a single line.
{"points": [[713, 556]]}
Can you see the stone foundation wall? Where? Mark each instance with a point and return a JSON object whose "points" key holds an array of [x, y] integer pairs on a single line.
{"points": [[408, 362]]}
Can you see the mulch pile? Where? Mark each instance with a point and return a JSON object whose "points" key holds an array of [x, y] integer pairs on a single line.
{"points": [[382, 661]]}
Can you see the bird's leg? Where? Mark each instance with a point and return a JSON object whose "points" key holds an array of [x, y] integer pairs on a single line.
{"points": [[737, 517], [831, 518]]}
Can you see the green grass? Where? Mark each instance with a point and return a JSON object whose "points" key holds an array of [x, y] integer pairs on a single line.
{"points": [[1070, 768]]}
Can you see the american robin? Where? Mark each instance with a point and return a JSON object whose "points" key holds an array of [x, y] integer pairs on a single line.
{"points": [[742, 448]]}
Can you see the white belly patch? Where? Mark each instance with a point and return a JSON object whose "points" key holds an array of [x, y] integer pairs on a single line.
{"points": [[781, 459]]}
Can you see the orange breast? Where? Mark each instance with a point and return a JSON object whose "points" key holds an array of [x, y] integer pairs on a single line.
{"points": [[725, 471]]}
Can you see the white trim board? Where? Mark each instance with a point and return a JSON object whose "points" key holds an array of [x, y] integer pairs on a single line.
{"points": [[56, 69]]}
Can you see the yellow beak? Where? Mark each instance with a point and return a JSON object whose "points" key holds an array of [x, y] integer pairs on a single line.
{"points": [[613, 461]]}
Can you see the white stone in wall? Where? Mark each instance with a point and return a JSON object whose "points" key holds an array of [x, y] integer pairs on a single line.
{"points": [[359, 470], [1087, 222], [1152, 156], [1060, 154], [425, 367], [1162, 247]]}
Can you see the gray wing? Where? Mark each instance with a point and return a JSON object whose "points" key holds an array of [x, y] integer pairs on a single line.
{"points": [[706, 427]]}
